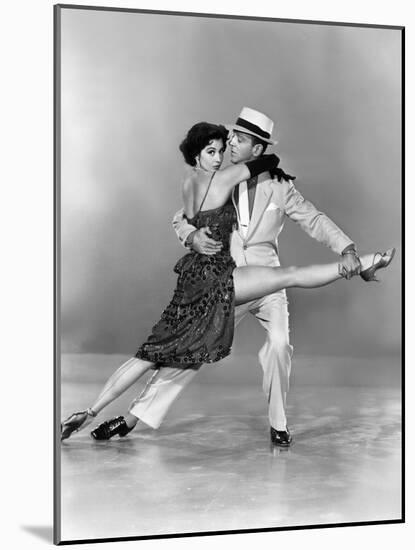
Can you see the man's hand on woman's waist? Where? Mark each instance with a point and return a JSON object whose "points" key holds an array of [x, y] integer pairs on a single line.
{"points": [[199, 241]]}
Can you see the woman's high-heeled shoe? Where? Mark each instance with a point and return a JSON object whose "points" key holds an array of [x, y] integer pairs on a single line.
{"points": [[383, 261], [75, 422]]}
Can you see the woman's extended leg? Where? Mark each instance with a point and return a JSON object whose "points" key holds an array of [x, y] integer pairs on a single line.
{"points": [[253, 282], [128, 373], [124, 377]]}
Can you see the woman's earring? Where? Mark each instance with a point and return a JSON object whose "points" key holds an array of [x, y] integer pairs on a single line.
{"points": [[198, 165]]}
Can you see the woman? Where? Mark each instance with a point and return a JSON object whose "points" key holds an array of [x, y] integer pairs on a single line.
{"points": [[197, 326]]}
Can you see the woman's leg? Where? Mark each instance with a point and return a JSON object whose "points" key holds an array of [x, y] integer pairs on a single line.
{"points": [[128, 373], [253, 282], [124, 377]]}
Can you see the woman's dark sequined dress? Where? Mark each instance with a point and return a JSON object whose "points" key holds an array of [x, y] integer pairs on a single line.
{"points": [[197, 326]]}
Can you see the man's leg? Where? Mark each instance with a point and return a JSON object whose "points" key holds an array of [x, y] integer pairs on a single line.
{"points": [[275, 355], [163, 388]]}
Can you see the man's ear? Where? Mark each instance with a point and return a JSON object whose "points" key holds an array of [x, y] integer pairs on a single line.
{"points": [[257, 150]]}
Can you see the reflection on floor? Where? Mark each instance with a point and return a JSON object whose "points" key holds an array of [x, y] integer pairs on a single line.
{"points": [[211, 467]]}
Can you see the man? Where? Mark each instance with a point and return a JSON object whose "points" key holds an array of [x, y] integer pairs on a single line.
{"points": [[262, 204]]}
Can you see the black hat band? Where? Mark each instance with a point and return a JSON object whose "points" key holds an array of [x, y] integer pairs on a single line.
{"points": [[252, 128]]}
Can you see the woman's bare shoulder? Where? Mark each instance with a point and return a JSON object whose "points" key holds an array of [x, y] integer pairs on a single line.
{"points": [[188, 182], [196, 179]]}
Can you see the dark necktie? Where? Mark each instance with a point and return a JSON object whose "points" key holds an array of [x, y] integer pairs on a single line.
{"points": [[252, 182], [251, 186]]}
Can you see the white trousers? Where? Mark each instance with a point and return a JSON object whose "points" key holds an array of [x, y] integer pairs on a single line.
{"points": [[167, 383]]}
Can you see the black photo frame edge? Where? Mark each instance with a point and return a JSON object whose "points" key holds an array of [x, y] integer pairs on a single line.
{"points": [[57, 9]]}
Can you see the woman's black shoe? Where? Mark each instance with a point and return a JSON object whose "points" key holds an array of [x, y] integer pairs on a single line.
{"points": [[76, 422], [282, 438], [112, 427]]}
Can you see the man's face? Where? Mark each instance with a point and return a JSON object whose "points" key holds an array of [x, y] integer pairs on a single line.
{"points": [[241, 147]]}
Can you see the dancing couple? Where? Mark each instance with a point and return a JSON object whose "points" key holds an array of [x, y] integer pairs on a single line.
{"points": [[230, 223]]}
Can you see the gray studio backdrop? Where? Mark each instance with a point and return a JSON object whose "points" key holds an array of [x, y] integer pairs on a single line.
{"points": [[133, 83]]}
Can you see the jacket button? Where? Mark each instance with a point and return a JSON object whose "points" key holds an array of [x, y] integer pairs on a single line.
{"points": [[245, 246]]}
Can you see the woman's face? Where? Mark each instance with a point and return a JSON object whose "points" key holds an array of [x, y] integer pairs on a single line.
{"points": [[211, 157]]}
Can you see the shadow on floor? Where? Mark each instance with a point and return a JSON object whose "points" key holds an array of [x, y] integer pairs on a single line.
{"points": [[44, 532]]}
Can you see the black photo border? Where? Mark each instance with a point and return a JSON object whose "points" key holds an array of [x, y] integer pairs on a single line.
{"points": [[57, 9]]}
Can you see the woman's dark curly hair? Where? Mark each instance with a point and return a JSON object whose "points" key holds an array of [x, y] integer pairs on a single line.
{"points": [[200, 135]]}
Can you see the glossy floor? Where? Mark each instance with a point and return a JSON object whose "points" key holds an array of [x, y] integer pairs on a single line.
{"points": [[211, 467]]}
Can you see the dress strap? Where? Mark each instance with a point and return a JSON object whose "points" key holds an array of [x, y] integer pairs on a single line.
{"points": [[207, 191]]}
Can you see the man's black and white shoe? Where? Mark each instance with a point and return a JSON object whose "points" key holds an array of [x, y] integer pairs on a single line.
{"points": [[282, 438], [112, 427]]}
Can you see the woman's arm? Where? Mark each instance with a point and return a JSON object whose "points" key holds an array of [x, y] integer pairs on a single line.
{"points": [[231, 176]]}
